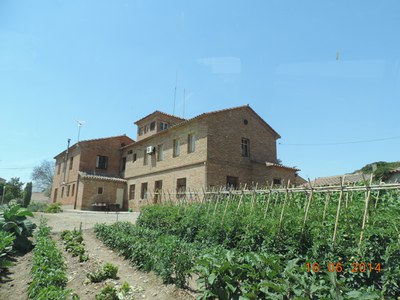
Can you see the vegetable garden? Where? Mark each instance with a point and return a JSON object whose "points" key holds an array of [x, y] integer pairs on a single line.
{"points": [[279, 244]]}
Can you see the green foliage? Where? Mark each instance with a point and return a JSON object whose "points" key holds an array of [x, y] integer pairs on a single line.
{"points": [[108, 293], [73, 242], [48, 270], [382, 169], [245, 251], [108, 271], [12, 190], [6, 245], [27, 194], [13, 219], [54, 208], [38, 206]]}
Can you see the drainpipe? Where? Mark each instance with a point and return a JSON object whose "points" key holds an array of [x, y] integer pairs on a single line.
{"points": [[66, 161]]}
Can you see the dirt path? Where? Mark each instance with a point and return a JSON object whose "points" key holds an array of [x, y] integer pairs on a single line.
{"points": [[145, 285]]}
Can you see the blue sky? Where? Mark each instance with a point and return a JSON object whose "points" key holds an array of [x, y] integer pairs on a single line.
{"points": [[110, 63]]}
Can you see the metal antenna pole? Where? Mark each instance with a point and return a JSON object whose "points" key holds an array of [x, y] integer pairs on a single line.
{"points": [[176, 84]]}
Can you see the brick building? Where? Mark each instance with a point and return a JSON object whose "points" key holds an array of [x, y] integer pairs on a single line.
{"points": [[89, 172], [227, 147], [231, 147]]}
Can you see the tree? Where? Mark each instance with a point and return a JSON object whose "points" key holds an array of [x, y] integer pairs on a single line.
{"points": [[12, 190], [43, 175], [27, 194]]}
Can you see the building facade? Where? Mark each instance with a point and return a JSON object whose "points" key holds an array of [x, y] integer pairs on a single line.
{"points": [[89, 172], [232, 147]]}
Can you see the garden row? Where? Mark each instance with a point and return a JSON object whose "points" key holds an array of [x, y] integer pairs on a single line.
{"points": [[268, 247]]}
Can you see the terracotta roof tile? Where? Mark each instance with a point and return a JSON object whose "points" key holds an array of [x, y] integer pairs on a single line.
{"points": [[98, 177]]}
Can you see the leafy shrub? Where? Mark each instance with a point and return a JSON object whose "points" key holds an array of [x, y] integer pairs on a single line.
{"points": [[108, 293], [54, 208], [73, 242], [6, 244], [13, 219], [37, 206], [108, 271]]}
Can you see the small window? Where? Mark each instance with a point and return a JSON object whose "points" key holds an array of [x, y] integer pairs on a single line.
{"points": [[73, 190], [277, 181], [163, 126], [232, 182], [143, 191], [145, 158], [134, 157], [123, 164], [191, 143], [101, 162], [152, 126], [71, 162], [180, 187], [132, 191], [68, 188], [245, 122], [177, 148], [62, 192], [245, 147], [99, 190], [146, 128], [59, 168], [160, 152], [130, 152], [141, 130]]}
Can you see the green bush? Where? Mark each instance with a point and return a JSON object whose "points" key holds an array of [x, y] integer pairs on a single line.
{"points": [[108, 293], [6, 245], [13, 219], [54, 208], [37, 206], [108, 271], [73, 242]]}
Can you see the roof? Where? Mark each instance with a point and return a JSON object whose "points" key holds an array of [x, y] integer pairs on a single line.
{"points": [[336, 180], [270, 164], [95, 140], [203, 115], [157, 112], [98, 177], [397, 170]]}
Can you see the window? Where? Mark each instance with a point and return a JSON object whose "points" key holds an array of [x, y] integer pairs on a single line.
{"points": [[160, 152], [101, 162], [180, 187], [68, 188], [132, 191], [152, 126], [277, 181], [145, 157], [177, 148], [158, 191], [163, 126], [191, 143], [245, 147], [143, 191], [134, 157], [146, 128], [141, 130], [62, 192], [59, 168], [232, 182], [123, 164], [99, 190], [73, 190], [129, 152], [71, 163]]}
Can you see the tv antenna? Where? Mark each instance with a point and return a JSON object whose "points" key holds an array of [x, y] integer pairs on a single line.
{"points": [[176, 85], [80, 124]]}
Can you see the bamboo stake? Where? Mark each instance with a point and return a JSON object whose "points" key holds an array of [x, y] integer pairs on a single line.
{"points": [[241, 198], [365, 217], [327, 199], [377, 199], [308, 205], [338, 212], [253, 197], [283, 207]]}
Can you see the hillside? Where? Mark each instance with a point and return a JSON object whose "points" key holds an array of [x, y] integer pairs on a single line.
{"points": [[382, 169]]}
